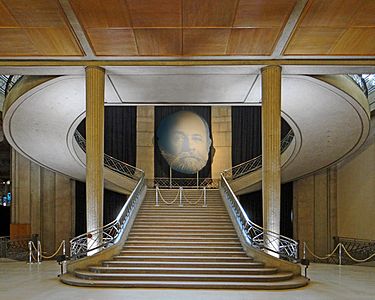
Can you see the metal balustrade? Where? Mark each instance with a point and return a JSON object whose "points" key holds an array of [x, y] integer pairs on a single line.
{"points": [[108, 235], [187, 183], [258, 237], [256, 162], [112, 163]]}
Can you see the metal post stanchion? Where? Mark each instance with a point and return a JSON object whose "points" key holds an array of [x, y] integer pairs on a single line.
{"points": [[30, 252], [204, 197], [39, 254], [157, 195], [181, 205], [340, 254], [304, 250]]}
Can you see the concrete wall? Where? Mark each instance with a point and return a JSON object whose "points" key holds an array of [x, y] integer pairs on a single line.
{"points": [[339, 201], [314, 210], [43, 199], [356, 195]]}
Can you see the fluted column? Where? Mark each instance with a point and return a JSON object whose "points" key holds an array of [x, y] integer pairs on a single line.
{"points": [[271, 132], [94, 146]]}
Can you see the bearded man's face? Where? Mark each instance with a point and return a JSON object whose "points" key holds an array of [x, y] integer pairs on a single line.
{"points": [[187, 143]]}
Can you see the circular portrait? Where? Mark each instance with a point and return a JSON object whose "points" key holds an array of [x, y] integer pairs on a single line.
{"points": [[184, 141]]}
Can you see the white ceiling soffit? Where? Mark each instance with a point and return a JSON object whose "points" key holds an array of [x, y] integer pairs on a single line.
{"points": [[179, 88]]}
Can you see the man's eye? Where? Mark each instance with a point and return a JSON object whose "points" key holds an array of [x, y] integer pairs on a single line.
{"points": [[197, 138]]}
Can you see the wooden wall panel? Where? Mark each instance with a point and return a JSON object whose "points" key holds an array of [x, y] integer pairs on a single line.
{"points": [[53, 41], [255, 13], [209, 13], [205, 41], [15, 42], [6, 20], [360, 41], [35, 28], [314, 41], [155, 13], [101, 14], [252, 41], [159, 41], [113, 41], [333, 13], [337, 27]]}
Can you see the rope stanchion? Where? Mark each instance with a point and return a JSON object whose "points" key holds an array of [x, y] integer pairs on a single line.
{"points": [[341, 247], [196, 202], [166, 202], [355, 259], [322, 257], [54, 254]]}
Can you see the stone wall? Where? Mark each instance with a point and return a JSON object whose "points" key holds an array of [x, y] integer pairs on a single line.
{"points": [[44, 200]]}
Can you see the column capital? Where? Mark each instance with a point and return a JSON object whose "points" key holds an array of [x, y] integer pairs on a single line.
{"points": [[271, 68]]}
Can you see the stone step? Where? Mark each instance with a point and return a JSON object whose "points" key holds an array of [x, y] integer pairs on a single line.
{"points": [[183, 258], [179, 235], [182, 253], [197, 239], [182, 264], [184, 218], [179, 270], [182, 230], [179, 243], [289, 284], [185, 277], [186, 226], [183, 248]]}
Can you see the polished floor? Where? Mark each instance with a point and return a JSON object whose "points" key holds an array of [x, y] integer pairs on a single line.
{"points": [[19, 280]]}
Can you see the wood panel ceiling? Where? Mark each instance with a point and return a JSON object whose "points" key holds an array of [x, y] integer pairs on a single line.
{"points": [[182, 28], [35, 28], [335, 27], [123, 28]]}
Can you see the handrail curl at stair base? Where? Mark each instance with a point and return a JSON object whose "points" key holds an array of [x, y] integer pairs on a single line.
{"points": [[110, 233], [256, 236]]}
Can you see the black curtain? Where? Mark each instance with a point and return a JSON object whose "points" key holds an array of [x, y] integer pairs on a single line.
{"points": [[252, 204], [113, 202], [247, 133], [161, 166], [4, 220], [119, 142]]}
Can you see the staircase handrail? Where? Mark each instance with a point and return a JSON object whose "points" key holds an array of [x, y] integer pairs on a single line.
{"points": [[110, 234], [256, 162], [255, 235], [112, 163]]}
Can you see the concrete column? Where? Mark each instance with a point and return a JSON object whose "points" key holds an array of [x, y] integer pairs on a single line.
{"points": [[271, 134], [95, 77], [145, 141], [221, 126]]}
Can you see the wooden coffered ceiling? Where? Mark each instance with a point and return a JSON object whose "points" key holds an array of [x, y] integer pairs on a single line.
{"points": [[187, 28]]}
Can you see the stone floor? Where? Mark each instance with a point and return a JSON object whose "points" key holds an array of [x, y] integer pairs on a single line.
{"points": [[19, 280]]}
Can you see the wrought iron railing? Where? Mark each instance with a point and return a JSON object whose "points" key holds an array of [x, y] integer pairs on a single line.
{"points": [[14, 248], [256, 162], [258, 237], [112, 163], [187, 183], [108, 235]]}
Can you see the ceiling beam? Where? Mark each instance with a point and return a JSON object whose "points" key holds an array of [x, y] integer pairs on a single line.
{"points": [[77, 29], [289, 28]]}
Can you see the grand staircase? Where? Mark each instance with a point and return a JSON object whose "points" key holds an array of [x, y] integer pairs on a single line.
{"points": [[192, 246]]}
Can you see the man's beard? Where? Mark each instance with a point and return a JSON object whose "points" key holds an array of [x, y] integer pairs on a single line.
{"points": [[185, 162]]}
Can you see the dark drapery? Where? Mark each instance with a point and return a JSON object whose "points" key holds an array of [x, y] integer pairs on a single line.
{"points": [[113, 202], [161, 166], [247, 133], [119, 142], [252, 204]]}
